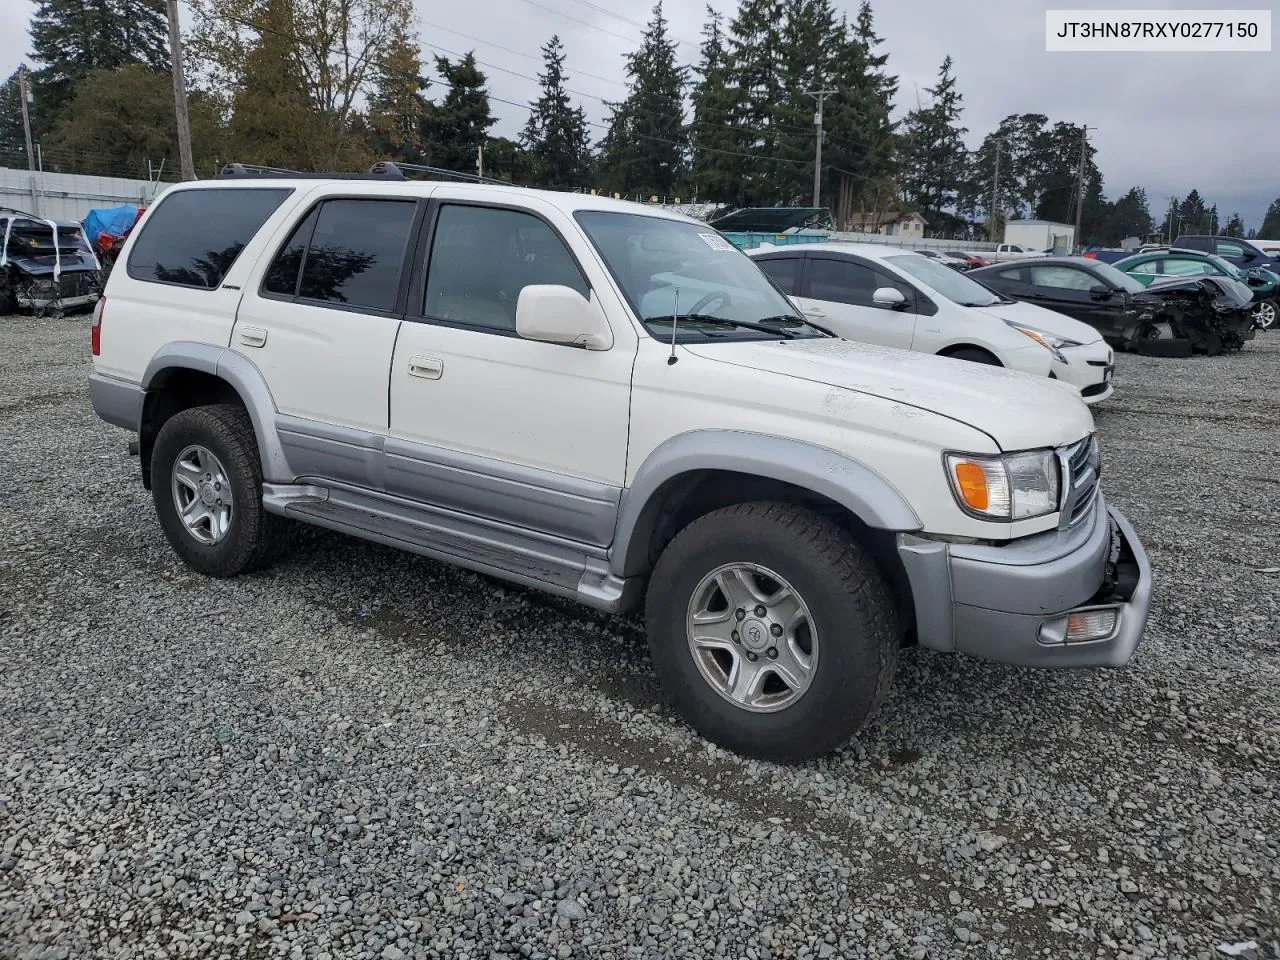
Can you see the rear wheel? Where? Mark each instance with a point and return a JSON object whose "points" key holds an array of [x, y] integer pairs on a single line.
{"points": [[772, 630], [206, 481]]}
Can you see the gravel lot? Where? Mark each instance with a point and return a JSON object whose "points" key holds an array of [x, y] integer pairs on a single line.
{"points": [[363, 754]]}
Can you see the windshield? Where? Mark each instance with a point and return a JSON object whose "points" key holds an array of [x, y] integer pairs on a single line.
{"points": [[1227, 267], [953, 285], [1116, 278], [667, 267]]}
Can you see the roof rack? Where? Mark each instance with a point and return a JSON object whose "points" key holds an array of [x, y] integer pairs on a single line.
{"points": [[383, 170]]}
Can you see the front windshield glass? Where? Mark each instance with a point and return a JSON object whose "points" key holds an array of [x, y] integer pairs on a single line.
{"points": [[952, 284], [1227, 267], [668, 266], [1117, 278]]}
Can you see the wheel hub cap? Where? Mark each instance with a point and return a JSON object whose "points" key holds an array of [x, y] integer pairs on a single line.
{"points": [[752, 637], [201, 492]]}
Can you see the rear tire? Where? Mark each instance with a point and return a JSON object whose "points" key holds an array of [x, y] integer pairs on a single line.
{"points": [[840, 637], [974, 355], [221, 438]]}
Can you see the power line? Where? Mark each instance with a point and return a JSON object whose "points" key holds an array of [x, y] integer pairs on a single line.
{"points": [[527, 56], [635, 23]]}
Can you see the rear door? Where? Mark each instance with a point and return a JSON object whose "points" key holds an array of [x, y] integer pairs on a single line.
{"points": [[320, 322], [838, 294]]}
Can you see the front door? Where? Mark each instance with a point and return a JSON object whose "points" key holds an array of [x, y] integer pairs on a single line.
{"points": [[486, 423], [321, 325], [1068, 290], [838, 294]]}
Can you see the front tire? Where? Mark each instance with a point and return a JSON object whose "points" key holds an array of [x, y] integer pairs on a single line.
{"points": [[771, 630], [974, 355], [206, 481], [1266, 315]]}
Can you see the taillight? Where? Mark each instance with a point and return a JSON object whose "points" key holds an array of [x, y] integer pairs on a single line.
{"points": [[95, 332]]}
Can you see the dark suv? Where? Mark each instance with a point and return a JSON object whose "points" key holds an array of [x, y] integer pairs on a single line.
{"points": [[1232, 249]]}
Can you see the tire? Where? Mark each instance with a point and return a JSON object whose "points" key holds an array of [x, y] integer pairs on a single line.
{"points": [[1266, 315], [974, 355], [851, 630], [250, 538]]}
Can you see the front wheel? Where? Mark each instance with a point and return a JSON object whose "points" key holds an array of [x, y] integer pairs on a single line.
{"points": [[1266, 315], [206, 481], [772, 631], [974, 355]]}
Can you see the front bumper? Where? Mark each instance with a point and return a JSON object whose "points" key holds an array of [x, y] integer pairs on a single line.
{"points": [[1011, 603], [1089, 368]]}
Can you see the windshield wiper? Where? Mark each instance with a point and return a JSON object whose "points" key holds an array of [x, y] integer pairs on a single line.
{"points": [[723, 322], [793, 317]]}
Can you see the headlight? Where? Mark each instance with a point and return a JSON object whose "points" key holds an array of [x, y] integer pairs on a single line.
{"points": [[1049, 341], [1013, 487]]}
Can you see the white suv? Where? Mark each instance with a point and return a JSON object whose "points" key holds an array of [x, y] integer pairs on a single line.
{"points": [[610, 403], [896, 298]]}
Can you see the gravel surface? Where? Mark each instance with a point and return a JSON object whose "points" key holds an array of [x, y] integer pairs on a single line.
{"points": [[363, 754]]}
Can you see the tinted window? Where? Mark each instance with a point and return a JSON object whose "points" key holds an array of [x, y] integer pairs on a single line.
{"points": [[357, 252], [843, 281], [1062, 278], [1014, 275], [1187, 268], [784, 271], [1227, 249], [481, 258], [283, 276], [193, 237]]}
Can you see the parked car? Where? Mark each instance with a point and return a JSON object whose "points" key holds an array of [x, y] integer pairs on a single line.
{"points": [[1208, 314], [1013, 251], [1234, 250], [974, 259], [608, 402], [45, 267], [883, 295], [1148, 268], [954, 261]]}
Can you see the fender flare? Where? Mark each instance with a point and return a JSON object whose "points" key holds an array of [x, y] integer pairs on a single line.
{"points": [[247, 381], [836, 476]]}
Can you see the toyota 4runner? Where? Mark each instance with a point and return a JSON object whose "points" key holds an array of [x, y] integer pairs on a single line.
{"points": [[610, 403]]}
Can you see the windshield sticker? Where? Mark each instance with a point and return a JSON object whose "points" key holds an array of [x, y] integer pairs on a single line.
{"points": [[716, 242]]}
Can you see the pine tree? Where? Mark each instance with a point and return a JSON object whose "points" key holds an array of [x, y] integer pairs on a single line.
{"points": [[934, 157], [398, 107], [1130, 217], [804, 64], [1234, 227], [643, 149], [753, 68], [717, 172], [71, 38], [13, 149], [1193, 215], [556, 133], [1271, 221], [457, 127]]}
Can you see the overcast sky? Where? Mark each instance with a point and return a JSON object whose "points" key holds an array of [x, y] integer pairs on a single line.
{"points": [[1167, 122]]}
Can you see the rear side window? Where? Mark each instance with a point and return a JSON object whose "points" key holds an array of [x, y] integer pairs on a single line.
{"points": [[193, 237], [348, 252], [783, 271], [482, 257], [1062, 278], [843, 281]]}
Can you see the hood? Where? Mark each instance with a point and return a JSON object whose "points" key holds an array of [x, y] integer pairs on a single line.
{"points": [[1236, 294], [1050, 321], [42, 266], [1017, 410]]}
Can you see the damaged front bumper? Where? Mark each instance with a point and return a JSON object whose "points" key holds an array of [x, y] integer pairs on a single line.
{"points": [[1064, 598]]}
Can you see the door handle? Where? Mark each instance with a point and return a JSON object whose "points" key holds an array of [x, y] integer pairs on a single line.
{"points": [[426, 367], [253, 336]]}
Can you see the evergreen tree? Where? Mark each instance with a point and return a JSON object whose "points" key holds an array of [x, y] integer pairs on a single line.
{"points": [[1015, 138], [1193, 215], [556, 134], [716, 175], [753, 69], [1271, 221], [934, 157], [1130, 216], [805, 49], [71, 38], [13, 147], [457, 127], [643, 149], [398, 107], [505, 159], [1055, 170], [1168, 227]]}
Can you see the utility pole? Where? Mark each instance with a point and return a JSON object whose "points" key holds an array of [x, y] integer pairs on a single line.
{"points": [[26, 130], [995, 194], [1084, 135], [480, 160], [821, 95], [180, 94]]}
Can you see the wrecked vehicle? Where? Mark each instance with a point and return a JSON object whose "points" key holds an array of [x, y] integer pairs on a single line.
{"points": [[45, 267], [1172, 318], [1213, 313], [107, 229]]}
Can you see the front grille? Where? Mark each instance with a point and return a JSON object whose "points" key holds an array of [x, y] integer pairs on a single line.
{"points": [[1093, 390], [78, 283], [1081, 468]]}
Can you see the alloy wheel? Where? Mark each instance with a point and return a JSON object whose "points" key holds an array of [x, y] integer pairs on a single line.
{"points": [[202, 494]]}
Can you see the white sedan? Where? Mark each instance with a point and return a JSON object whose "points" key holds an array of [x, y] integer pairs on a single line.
{"points": [[884, 295]]}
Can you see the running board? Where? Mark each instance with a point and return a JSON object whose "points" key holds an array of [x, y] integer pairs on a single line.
{"points": [[521, 556]]}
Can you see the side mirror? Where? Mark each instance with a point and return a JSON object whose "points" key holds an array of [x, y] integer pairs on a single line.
{"points": [[888, 297], [556, 314], [1100, 291]]}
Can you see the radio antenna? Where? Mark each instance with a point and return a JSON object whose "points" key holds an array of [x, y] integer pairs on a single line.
{"points": [[675, 318]]}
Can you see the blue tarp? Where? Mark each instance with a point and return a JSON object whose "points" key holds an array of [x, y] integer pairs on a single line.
{"points": [[114, 221]]}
